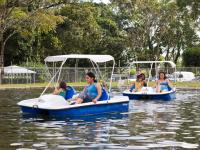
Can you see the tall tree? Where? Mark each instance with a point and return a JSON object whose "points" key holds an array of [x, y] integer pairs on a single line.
{"points": [[154, 28], [90, 28], [23, 16]]}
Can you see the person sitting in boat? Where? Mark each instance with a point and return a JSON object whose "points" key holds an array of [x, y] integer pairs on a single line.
{"points": [[103, 84], [143, 79], [138, 84], [92, 92], [61, 89], [163, 84]]}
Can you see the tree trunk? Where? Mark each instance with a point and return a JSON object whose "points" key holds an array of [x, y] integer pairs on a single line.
{"points": [[1, 58], [177, 56]]}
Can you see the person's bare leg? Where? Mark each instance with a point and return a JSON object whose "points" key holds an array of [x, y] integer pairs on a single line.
{"points": [[79, 101], [158, 89]]}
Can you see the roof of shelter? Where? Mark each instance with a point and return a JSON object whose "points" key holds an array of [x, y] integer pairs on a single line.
{"points": [[17, 70]]}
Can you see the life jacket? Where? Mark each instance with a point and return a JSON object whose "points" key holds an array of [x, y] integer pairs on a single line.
{"points": [[62, 93], [70, 92], [104, 95]]}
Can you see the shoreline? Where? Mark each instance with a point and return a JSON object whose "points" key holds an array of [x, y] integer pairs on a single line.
{"points": [[78, 86]]}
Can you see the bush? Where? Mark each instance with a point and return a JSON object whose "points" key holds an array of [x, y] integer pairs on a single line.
{"points": [[132, 72]]}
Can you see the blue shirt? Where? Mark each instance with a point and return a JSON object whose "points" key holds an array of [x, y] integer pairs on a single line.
{"points": [[164, 86], [91, 91]]}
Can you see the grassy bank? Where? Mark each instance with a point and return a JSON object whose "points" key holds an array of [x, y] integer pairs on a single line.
{"points": [[80, 84]]}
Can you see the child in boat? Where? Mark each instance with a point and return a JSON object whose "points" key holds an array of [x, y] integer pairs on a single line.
{"points": [[138, 84], [92, 92], [61, 89], [163, 84]]}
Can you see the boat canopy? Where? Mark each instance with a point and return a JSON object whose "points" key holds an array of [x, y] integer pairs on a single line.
{"points": [[17, 70], [173, 65], [94, 58]]}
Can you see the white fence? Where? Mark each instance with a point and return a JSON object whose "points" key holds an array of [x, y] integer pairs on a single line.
{"points": [[78, 74]]}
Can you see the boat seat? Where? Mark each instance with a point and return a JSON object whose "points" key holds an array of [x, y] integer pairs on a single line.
{"points": [[70, 91], [169, 89], [104, 95]]}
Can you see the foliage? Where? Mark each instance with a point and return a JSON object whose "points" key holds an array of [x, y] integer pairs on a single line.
{"points": [[191, 57], [132, 71], [27, 26], [126, 29], [154, 28]]}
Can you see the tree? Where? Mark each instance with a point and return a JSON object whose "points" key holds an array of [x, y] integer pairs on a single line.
{"points": [[154, 28], [89, 28], [24, 17], [191, 57]]}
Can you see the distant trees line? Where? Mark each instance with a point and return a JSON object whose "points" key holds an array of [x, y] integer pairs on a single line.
{"points": [[128, 30]]}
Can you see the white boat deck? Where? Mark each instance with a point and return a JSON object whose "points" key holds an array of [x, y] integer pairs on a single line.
{"points": [[55, 102]]}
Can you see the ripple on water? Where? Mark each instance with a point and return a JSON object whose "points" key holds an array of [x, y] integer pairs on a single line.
{"points": [[194, 127], [107, 146], [70, 146], [178, 144], [189, 137], [123, 132], [172, 128], [130, 138], [162, 122], [174, 123], [185, 133], [50, 135], [25, 149], [16, 144], [158, 133], [41, 144]]}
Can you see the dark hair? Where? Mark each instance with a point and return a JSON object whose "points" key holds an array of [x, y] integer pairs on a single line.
{"points": [[63, 85], [138, 77], [142, 74], [91, 75], [165, 77]]}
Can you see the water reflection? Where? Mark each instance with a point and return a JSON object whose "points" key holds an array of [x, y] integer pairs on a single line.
{"points": [[147, 125]]}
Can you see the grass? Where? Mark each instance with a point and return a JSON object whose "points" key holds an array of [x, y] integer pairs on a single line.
{"points": [[32, 85], [80, 84], [188, 84]]}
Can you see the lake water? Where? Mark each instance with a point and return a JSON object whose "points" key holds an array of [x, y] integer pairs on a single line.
{"points": [[148, 125]]}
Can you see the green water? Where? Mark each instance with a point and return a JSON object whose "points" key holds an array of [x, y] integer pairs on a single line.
{"points": [[147, 125]]}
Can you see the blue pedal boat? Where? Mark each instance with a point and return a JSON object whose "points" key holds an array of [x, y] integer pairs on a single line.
{"points": [[56, 105], [149, 93]]}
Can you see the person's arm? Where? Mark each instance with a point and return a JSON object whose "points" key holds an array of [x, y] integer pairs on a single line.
{"points": [[170, 84], [99, 91], [157, 84], [57, 91], [132, 84]]}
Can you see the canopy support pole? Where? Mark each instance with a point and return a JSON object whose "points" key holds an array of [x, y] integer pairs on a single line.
{"points": [[109, 90], [149, 74], [53, 78]]}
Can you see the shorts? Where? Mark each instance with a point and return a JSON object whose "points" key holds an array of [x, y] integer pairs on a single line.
{"points": [[86, 98]]}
